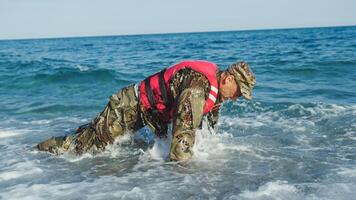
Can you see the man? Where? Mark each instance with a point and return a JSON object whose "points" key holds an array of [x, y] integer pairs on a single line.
{"points": [[182, 94]]}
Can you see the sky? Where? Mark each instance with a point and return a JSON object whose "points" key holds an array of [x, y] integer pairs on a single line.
{"points": [[21, 19]]}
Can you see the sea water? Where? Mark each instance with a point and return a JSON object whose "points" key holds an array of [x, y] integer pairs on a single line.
{"points": [[295, 140]]}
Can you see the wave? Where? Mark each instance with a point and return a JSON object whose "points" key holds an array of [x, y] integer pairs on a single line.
{"points": [[20, 67], [302, 71], [284, 190], [18, 170], [70, 75], [9, 134], [52, 109], [54, 70], [335, 63], [219, 42], [283, 120], [80, 75]]}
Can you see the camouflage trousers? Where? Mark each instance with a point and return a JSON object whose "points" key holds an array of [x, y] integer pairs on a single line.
{"points": [[120, 116]]}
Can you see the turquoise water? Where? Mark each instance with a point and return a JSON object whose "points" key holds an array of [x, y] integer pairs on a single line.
{"points": [[295, 140]]}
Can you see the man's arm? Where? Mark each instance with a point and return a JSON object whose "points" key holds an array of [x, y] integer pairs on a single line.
{"points": [[187, 118]]}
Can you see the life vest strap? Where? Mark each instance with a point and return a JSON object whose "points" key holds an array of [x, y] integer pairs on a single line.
{"points": [[162, 87], [149, 92]]}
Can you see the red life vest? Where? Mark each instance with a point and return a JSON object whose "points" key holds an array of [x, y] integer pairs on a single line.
{"points": [[155, 90]]}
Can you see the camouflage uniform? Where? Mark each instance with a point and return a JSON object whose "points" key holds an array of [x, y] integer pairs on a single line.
{"points": [[125, 114]]}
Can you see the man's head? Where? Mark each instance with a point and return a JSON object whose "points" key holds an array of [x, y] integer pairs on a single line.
{"points": [[236, 81]]}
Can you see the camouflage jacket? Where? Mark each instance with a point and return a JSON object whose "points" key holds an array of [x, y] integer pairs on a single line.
{"points": [[181, 81]]}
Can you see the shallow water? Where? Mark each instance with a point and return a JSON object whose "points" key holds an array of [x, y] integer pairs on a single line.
{"points": [[295, 140]]}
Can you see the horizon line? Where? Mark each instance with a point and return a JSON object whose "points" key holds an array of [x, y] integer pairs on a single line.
{"points": [[172, 33]]}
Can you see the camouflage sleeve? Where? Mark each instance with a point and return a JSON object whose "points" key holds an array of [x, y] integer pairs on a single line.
{"points": [[187, 118]]}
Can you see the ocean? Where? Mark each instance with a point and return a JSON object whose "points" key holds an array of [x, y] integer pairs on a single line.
{"points": [[294, 140]]}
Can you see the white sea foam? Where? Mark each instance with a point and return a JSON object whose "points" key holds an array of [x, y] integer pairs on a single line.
{"points": [[57, 119], [37, 122], [152, 179], [350, 134], [156, 184], [100, 188], [348, 172], [8, 134], [305, 120], [82, 68], [339, 191], [206, 146], [272, 190], [284, 191], [72, 119], [7, 175], [19, 170], [160, 149], [75, 158], [135, 193], [114, 150], [244, 122], [328, 110], [353, 108]]}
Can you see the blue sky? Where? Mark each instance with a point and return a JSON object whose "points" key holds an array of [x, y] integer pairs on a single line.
{"points": [[65, 18]]}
